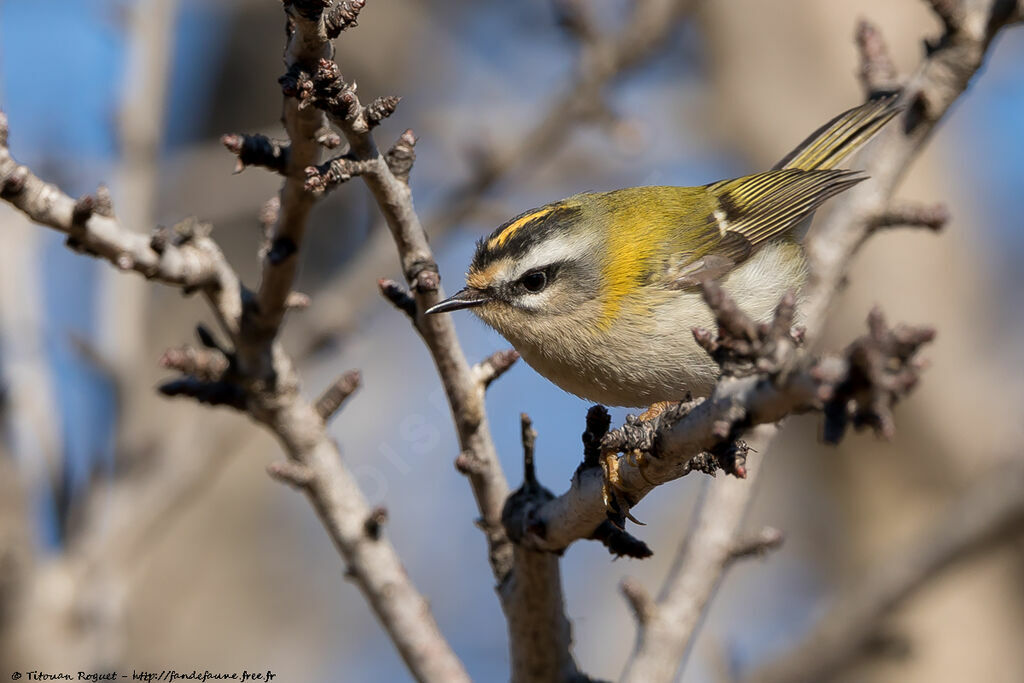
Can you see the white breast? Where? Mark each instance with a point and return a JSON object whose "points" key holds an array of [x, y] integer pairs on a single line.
{"points": [[650, 355]]}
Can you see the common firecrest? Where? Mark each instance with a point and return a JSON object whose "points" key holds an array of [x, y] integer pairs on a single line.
{"points": [[599, 292]]}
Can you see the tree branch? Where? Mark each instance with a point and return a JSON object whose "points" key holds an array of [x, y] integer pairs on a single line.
{"points": [[465, 394], [334, 397], [777, 380], [990, 512], [528, 581], [941, 77], [186, 258], [603, 60], [539, 630], [260, 378], [307, 42], [666, 629]]}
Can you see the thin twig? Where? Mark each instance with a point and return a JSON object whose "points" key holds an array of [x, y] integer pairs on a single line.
{"points": [[911, 215], [878, 74], [494, 366], [764, 541], [257, 150], [465, 395], [335, 395], [666, 628]]}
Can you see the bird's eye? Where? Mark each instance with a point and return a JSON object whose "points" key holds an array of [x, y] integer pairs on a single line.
{"points": [[534, 281]]}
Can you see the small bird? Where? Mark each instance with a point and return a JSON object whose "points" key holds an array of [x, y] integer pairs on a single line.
{"points": [[599, 292]]}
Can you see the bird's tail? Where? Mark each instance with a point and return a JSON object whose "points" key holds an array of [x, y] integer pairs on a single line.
{"points": [[842, 136]]}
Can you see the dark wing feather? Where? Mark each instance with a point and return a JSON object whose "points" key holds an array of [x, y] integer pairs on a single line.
{"points": [[826, 147], [753, 210], [760, 207]]}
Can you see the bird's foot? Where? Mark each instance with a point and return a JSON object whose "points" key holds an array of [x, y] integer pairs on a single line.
{"points": [[616, 501]]}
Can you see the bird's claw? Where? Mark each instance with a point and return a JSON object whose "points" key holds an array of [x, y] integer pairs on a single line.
{"points": [[616, 502]]}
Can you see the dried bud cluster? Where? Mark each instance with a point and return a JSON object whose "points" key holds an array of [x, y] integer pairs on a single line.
{"points": [[342, 15], [743, 347], [882, 368], [210, 393], [332, 93], [297, 83], [381, 108]]}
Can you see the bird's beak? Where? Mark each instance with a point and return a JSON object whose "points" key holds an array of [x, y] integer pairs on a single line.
{"points": [[467, 297]]}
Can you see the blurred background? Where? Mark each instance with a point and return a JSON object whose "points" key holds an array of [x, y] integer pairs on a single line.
{"points": [[141, 532]]}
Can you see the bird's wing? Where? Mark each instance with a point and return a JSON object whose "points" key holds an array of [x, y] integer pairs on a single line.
{"points": [[828, 146], [749, 211], [757, 208]]}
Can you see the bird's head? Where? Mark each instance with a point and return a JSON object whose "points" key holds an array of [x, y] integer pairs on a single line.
{"points": [[533, 270]]}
